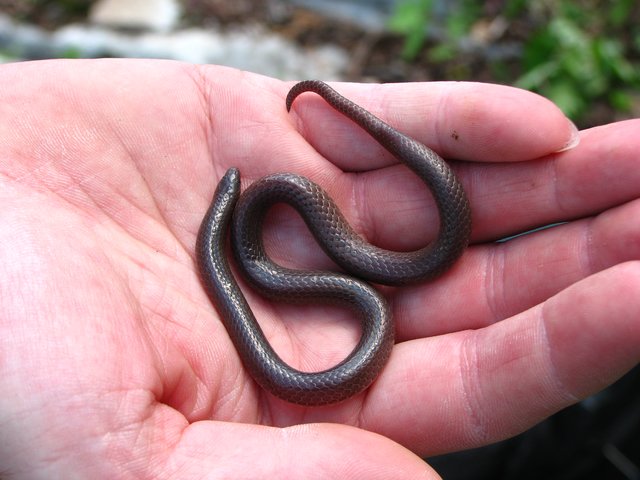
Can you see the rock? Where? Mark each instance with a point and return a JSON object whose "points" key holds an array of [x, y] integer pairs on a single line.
{"points": [[155, 15], [248, 48]]}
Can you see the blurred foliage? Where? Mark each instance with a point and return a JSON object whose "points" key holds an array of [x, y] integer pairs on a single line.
{"points": [[45, 12], [573, 52], [413, 18]]}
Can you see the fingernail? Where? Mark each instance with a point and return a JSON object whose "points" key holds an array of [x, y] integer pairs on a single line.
{"points": [[574, 139]]}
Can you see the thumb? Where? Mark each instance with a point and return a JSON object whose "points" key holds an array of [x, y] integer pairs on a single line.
{"points": [[210, 449]]}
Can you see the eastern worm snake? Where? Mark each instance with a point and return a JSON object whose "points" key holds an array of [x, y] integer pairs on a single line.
{"points": [[360, 259]]}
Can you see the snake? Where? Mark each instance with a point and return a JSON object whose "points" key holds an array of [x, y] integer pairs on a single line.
{"points": [[237, 218]]}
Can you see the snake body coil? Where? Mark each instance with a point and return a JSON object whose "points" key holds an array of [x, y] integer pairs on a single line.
{"points": [[246, 212]]}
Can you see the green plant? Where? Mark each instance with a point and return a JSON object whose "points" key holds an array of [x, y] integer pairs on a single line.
{"points": [[576, 53], [574, 60], [414, 18], [410, 19]]}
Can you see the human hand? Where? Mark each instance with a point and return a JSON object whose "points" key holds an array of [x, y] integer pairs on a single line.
{"points": [[113, 362]]}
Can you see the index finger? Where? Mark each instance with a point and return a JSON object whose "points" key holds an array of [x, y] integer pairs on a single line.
{"points": [[465, 121]]}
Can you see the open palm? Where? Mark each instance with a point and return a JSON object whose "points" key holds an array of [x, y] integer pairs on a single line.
{"points": [[113, 361]]}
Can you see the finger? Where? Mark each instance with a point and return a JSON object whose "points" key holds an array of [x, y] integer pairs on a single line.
{"points": [[601, 172], [506, 198], [475, 387], [469, 121], [314, 451], [495, 281]]}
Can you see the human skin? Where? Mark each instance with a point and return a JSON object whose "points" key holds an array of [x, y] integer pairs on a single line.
{"points": [[114, 363]]}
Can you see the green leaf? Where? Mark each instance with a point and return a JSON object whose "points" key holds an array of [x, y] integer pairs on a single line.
{"points": [[537, 77], [410, 16], [620, 100], [410, 19], [567, 97], [620, 11]]}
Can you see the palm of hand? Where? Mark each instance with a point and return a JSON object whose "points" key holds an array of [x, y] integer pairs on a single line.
{"points": [[112, 331]]}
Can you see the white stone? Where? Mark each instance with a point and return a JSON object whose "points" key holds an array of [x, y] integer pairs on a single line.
{"points": [[249, 49], [253, 49], [156, 15]]}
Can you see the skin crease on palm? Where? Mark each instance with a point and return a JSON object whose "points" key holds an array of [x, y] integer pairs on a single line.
{"points": [[113, 362]]}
